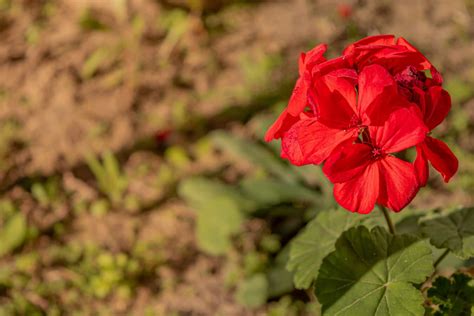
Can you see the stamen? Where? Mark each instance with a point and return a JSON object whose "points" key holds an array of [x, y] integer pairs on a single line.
{"points": [[377, 153], [355, 121]]}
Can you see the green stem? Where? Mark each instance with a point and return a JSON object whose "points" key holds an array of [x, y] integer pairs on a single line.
{"points": [[436, 263], [386, 214], [440, 258], [311, 295]]}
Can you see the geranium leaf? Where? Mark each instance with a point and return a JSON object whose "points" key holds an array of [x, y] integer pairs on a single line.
{"points": [[372, 272], [454, 231], [317, 240]]}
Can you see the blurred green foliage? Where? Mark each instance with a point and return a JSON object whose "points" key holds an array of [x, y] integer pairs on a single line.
{"points": [[89, 22], [219, 213], [452, 296], [13, 233], [110, 179]]}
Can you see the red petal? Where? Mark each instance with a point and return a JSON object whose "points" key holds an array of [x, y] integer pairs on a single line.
{"points": [[398, 60], [336, 100], [441, 157], [421, 166], [301, 65], [315, 56], [436, 76], [403, 129], [298, 99], [418, 95], [331, 65], [437, 106], [384, 50], [346, 73], [280, 126], [359, 194], [370, 40], [399, 183], [376, 88], [347, 162], [403, 42], [310, 142], [394, 58]]}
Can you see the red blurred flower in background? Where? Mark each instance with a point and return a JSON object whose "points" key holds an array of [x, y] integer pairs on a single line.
{"points": [[344, 10], [355, 111]]}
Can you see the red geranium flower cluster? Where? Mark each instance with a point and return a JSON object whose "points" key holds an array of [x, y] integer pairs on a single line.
{"points": [[359, 113]]}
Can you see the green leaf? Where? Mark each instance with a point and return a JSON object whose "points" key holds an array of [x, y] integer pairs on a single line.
{"points": [[219, 212], [316, 241], [254, 153], [280, 280], [408, 224], [453, 296], [13, 233], [200, 190], [253, 291], [454, 231], [267, 192], [215, 225], [372, 273]]}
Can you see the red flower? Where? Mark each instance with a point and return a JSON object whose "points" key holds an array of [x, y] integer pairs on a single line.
{"points": [[367, 173], [354, 111], [396, 55], [341, 113], [344, 10]]}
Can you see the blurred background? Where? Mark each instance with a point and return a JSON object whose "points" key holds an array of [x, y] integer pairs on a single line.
{"points": [[133, 176]]}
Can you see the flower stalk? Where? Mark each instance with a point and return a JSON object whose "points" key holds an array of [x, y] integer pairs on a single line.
{"points": [[440, 258], [391, 226], [428, 281]]}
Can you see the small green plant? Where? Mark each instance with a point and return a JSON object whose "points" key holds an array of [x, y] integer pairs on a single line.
{"points": [[47, 193], [13, 227], [110, 275], [110, 179], [102, 57], [90, 22], [13, 233], [176, 24]]}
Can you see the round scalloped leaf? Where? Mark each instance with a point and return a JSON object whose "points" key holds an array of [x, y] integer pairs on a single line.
{"points": [[372, 272], [317, 240], [454, 231]]}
